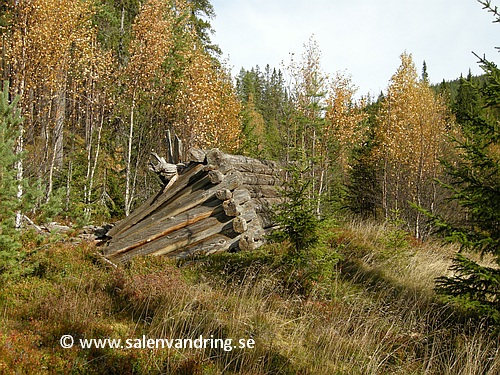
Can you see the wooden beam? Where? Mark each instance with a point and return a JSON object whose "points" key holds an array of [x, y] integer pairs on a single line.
{"points": [[187, 178], [214, 244], [179, 239], [154, 228]]}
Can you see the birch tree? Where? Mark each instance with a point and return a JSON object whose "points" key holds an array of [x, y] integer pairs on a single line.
{"points": [[412, 126]]}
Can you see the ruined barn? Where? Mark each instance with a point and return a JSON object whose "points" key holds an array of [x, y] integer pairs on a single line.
{"points": [[210, 203]]}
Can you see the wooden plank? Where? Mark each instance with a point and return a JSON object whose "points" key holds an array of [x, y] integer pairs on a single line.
{"points": [[176, 240], [214, 244], [154, 228], [187, 178]]}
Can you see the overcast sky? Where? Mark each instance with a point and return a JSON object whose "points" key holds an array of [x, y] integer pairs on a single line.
{"points": [[361, 37]]}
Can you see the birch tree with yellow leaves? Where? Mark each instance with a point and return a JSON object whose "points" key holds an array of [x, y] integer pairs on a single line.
{"points": [[413, 123]]}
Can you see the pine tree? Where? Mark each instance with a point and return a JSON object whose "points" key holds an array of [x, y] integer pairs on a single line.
{"points": [[10, 120]]}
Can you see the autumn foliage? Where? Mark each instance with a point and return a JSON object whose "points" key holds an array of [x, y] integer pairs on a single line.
{"points": [[100, 83]]}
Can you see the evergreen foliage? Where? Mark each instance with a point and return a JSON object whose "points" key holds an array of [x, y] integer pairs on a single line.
{"points": [[296, 214], [476, 188], [10, 119]]}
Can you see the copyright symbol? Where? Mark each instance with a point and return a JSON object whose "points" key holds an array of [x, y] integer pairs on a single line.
{"points": [[66, 341]]}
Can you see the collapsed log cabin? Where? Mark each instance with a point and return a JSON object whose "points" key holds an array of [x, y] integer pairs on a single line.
{"points": [[214, 202]]}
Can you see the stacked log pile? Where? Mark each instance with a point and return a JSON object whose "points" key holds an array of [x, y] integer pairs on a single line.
{"points": [[215, 202]]}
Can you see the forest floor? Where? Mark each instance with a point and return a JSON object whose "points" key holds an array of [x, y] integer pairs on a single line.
{"points": [[361, 302]]}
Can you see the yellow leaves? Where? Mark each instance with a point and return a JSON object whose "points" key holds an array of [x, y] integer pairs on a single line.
{"points": [[412, 123], [48, 37]]}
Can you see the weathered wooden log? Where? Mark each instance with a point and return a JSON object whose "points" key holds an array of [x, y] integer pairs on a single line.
{"points": [[189, 198], [177, 240], [258, 191], [178, 149], [256, 167], [154, 228], [240, 225], [216, 177], [214, 244], [247, 211], [164, 170], [266, 204], [170, 155], [218, 202], [241, 196], [151, 205], [260, 179], [252, 239], [224, 194], [196, 155], [231, 208]]}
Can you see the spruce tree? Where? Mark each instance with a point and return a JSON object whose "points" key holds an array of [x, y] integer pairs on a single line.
{"points": [[10, 119], [475, 187]]}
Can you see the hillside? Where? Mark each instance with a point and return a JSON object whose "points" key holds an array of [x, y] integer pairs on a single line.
{"points": [[360, 302]]}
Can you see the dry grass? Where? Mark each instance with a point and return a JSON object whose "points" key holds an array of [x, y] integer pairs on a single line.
{"points": [[374, 312]]}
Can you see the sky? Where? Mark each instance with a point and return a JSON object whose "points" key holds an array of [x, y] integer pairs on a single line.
{"points": [[360, 38]]}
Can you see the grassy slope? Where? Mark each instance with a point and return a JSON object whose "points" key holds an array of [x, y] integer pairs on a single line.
{"points": [[360, 303]]}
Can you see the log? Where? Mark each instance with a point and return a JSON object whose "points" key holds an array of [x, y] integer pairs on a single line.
{"points": [[154, 228], [216, 177], [224, 194], [155, 202], [196, 155], [214, 244], [266, 204], [170, 155], [164, 170], [257, 191], [231, 208], [187, 199], [177, 240], [256, 167], [260, 179], [254, 237], [240, 225], [247, 211], [178, 149], [241, 196]]}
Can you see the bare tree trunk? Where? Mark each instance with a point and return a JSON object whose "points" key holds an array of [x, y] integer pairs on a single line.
{"points": [[57, 147], [128, 177]]}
